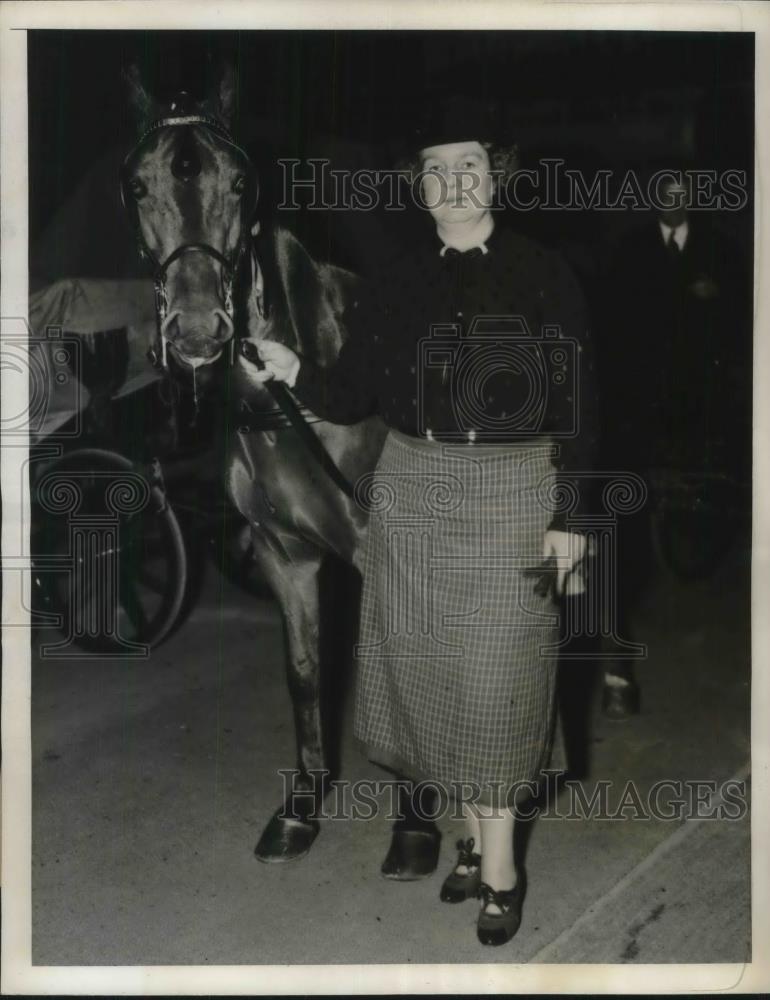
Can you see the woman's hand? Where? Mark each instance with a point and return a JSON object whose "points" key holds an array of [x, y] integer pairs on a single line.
{"points": [[281, 363], [568, 549]]}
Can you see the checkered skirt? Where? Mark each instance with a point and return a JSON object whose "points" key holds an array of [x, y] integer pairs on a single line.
{"points": [[455, 677]]}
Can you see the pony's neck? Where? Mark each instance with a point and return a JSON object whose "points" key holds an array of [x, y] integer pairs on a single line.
{"points": [[265, 314]]}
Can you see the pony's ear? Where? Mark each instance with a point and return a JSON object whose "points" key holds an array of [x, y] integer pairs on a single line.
{"points": [[140, 100], [226, 95]]}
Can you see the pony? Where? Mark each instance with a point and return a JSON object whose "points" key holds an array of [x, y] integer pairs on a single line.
{"points": [[221, 285]]}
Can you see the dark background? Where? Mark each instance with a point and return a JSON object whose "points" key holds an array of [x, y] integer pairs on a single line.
{"points": [[600, 100]]}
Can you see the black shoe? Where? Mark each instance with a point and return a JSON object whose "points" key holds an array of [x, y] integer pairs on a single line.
{"points": [[499, 928], [621, 701], [413, 854], [457, 888]]}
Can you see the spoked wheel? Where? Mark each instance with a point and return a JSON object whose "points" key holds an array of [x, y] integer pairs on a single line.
{"points": [[692, 526], [109, 557]]}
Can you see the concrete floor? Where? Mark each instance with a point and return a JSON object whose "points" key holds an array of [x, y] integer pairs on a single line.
{"points": [[152, 781]]}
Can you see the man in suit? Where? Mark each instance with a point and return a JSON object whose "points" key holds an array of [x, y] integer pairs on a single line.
{"points": [[674, 344]]}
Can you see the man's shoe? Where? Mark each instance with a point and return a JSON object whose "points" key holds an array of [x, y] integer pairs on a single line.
{"points": [[621, 701], [498, 928], [413, 854], [457, 888]]}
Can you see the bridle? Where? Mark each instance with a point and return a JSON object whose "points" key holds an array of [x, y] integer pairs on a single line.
{"points": [[230, 264], [291, 414]]}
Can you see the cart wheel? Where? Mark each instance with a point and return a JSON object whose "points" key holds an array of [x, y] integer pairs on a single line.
{"points": [[114, 569]]}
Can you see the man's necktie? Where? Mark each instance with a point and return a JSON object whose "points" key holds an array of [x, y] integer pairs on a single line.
{"points": [[672, 246]]}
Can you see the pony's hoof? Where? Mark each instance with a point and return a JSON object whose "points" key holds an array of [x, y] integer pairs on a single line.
{"points": [[413, 854], [621, 701], [286, 840]]}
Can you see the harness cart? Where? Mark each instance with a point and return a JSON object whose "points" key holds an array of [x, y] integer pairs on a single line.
{"points": [[114, 560]]}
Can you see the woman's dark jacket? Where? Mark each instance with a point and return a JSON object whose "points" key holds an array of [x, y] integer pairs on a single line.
{"points": [[470, 347]]}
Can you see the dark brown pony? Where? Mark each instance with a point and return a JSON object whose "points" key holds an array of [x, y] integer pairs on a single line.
{"points": [[191, 194]]}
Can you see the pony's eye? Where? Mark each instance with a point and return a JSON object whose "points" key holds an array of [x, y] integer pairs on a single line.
{"points": [[137, 187], [239, 184]]}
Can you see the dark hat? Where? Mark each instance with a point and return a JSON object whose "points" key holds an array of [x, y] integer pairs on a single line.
{"points": [[455, 119]]}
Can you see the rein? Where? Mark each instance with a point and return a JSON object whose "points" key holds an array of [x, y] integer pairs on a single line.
{"points": [[296, 418], [288, 412]]}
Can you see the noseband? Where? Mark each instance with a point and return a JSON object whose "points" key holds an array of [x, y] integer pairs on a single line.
{"points": [[286, 404], [230, 264]]}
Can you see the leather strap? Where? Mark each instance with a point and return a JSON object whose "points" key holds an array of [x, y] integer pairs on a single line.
{"points": [[293, 414], [249, 421]]}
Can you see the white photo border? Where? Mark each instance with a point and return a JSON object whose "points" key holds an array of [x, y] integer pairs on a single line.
{"points": [[18, 974]]}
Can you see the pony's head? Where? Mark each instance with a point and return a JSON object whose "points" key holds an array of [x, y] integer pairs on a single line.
{"points": [[191, 195]]}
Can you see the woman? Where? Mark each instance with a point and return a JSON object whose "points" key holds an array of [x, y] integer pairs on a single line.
{"points": [[456, 682]]}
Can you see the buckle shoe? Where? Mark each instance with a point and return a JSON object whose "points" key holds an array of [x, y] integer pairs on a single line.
{"points": [[457, 888], [499, 928]]}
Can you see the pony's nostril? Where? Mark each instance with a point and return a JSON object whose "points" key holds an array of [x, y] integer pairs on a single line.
{"points": [[174, 330], [225, 327], [171, 329]]}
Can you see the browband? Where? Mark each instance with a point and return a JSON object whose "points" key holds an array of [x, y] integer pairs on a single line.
{"points": [[210, 122]]}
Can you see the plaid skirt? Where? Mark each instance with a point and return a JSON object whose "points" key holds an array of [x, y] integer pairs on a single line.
{"points": [[456, 666]]}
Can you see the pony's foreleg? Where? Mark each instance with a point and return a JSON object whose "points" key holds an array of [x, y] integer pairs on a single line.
{"points": [[292, 571]]}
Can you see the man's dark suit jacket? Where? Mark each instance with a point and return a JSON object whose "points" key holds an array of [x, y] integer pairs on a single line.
{"points": [[674, 351]]}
